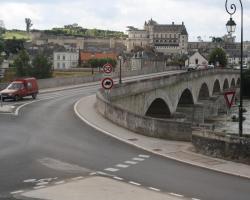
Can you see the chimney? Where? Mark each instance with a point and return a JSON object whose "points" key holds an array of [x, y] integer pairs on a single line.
{"points": [[182, 23], [172, 23]]}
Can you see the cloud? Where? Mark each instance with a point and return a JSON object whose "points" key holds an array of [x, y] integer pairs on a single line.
{"points": [[206, 18]]}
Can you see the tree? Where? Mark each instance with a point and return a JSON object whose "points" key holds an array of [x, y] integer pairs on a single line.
{"points": [[218, 55], [42, 67], [28, 24], [22, 64]]}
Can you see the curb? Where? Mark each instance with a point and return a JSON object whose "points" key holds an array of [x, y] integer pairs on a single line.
{"points": [[148, 150]]}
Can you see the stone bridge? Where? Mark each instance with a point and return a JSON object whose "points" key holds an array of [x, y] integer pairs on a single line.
{"points": [[177, 100]]}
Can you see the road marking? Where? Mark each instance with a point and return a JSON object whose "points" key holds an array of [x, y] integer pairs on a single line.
{"points": [[77, 178], [118, 178], [122, 166], [155, 189], [45, 180], [102, 173], [92, 173], [177, 195], [195, 199], [29, 180], [42, 183], [39, 187], [111, 169], [138, 159], [130, 162], [59, 182], [17, 192], [134, 183], [144, 156]]}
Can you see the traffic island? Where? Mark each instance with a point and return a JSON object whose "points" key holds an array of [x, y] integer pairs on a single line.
{"points": [[221, 145]]}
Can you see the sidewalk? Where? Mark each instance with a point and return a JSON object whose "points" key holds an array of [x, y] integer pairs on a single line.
{"points": [[180, 151]]}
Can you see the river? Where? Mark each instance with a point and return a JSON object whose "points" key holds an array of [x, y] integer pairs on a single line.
{"points": [[225, 123]]}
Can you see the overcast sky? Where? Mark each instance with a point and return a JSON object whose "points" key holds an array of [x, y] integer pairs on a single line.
{"points": [[203, 18]]}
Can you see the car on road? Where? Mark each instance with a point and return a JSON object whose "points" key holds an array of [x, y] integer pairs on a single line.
{"points": [[210, 66], [191, 67], [201, 67], [20, 88]]}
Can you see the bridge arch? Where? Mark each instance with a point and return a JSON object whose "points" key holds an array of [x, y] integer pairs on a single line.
{"points": [[203, 92], [238, 82], [186, 98], [232, 85], [158, 109], [216, 87], [225, 84]]}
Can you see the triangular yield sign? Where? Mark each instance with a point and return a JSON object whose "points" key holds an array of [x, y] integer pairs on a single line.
{"points": [[229, 96]]}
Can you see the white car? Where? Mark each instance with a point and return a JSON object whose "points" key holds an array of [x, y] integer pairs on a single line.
{"points": [[191, 67], [210, 66]]}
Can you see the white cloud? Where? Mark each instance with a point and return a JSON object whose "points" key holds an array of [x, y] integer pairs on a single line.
{"points": [[206, 18]]}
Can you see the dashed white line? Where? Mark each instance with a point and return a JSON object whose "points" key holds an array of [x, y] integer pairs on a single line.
{"points": [[155, 189], [177, 195], [122, 166], [144, 156], [118, 178], [134, 183], [39, 187], [17, 192], [111, 169], [102, 173], [92, 173], [77, 178], [138, 159], [130, 162], [42, 183], [59, 182], [29, 180], [195, 199]]}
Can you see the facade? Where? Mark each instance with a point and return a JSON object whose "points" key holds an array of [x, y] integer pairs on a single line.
{"points": [[165, 38], [65, 60], [86, 56], [196, 59]]}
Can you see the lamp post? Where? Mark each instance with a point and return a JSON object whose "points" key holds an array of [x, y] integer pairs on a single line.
{"points": [[120, 72], [231, 25], [92, 69]]}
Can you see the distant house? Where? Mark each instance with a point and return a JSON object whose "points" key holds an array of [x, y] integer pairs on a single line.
{"points": [[196, 59], [86, 56], [65, 60], [234, 57]]}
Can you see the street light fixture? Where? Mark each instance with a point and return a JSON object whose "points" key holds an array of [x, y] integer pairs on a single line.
{"points": [[231, 25], [120, 72]]}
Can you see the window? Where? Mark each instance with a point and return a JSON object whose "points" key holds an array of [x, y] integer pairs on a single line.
{"points": [[58, 57], [63, 65], [58, 65], [63, 57]]}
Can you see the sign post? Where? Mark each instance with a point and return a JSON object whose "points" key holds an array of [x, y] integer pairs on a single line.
{"points": [[229, 97], [107, 81]]}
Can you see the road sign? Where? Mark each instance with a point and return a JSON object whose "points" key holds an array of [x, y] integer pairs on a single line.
{"points": [[107, 83], [107, 68], [229, 97]]}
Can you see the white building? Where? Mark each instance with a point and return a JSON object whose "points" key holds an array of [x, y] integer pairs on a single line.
{"points": [[196, 59], [65, 60], [165, 38]]}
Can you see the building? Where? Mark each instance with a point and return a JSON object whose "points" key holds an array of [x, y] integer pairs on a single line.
{"points": [[65, 60], [196, 59], [86, 56], [165, 38]]}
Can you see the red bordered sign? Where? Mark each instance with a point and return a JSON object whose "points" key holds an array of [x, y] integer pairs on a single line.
{"points": [[107, 68], [107, 83], [229, 97]]}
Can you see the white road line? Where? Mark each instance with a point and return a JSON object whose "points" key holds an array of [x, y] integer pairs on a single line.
{"points": [[118, 178], [155, 189], [92, 173], [195, 199], [130, 162], [29, 180], [111, 169], [144, 156], [39, 187], [102, 173], [17, 192], [134, 183], [77, 178], [42, 183], [138, 159], [177, 195], [59, 182], [122, 166]]}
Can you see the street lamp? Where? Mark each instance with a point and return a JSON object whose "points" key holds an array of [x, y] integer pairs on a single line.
{"points": [[120, 72], [231, 25]]}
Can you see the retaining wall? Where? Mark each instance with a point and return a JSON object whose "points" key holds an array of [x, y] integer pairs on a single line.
{"points": [[221, 145]]}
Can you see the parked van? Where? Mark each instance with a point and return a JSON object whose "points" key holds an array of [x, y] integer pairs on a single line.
{"points": [[20, 88]]}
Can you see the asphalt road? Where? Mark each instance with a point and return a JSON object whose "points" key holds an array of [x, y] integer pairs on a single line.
{"points": [[47, 135]]}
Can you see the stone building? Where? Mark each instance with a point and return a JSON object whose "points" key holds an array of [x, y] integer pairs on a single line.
{"points": [[65, 60], [165, 38]]}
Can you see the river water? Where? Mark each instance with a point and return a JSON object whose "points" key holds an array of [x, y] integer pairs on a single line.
{"points": [[225, 123]]}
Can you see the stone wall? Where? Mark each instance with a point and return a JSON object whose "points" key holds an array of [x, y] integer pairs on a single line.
{"points": [[221, 145], [160, 128]]}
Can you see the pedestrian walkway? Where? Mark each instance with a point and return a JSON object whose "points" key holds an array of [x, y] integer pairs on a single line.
{"points": [[180, 151]]}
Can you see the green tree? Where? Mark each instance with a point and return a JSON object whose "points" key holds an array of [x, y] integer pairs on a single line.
{"points": [[218, 55], [28, 24], [22, 64], [41, 67]]}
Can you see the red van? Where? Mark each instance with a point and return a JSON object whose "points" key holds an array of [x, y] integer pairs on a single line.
{"points": [[20, 88]]}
